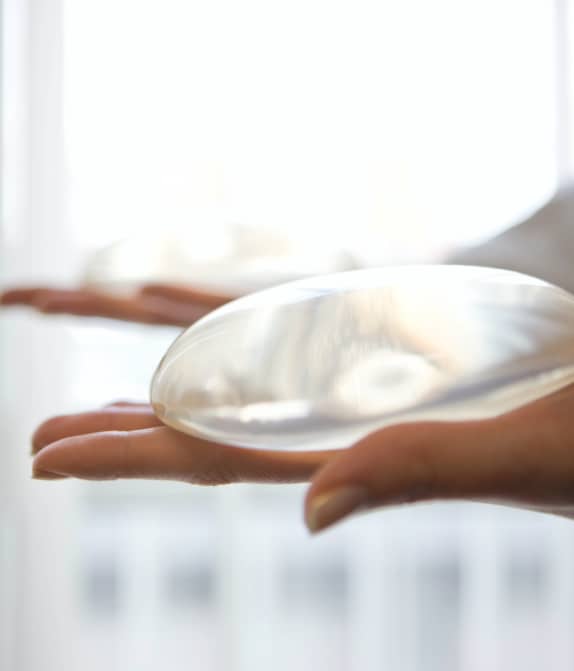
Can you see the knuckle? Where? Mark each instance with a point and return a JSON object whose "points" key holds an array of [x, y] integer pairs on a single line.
{"points": [[411, 450], [216, 471], [422, 470]]}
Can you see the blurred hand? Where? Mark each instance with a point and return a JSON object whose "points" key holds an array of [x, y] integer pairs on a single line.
{"points": [[166, 304], [524, 458]]}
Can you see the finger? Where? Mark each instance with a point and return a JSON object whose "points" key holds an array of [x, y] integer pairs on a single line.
{"points": [[110, 419], [488, 460], [185, 294], [146, 310], [88, 303], [173, 313], [84, 302], [162, 453], [22, 295]]}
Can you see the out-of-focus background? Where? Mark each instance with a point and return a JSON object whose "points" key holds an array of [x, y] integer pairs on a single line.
{"points": [[398, 129]]}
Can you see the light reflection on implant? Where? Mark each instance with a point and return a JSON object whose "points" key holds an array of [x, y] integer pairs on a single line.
{"points": [[321, 362]]}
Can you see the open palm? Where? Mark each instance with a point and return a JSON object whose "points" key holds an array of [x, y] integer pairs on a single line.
{"points": [[524, 458]]}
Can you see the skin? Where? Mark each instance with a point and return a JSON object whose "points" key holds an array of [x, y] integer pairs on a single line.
{"points": [[126, 440], [524, 459], [161, 304]]}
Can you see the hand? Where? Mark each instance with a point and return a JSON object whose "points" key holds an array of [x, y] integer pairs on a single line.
{"points": [[166, 304], [524, 458], [126, 440]]}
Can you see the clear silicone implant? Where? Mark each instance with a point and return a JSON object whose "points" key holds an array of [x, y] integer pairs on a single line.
{"points": [[231, 259], [321, 362]]}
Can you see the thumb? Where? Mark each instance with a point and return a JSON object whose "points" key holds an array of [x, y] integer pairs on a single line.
{"points": [[414, 462]]}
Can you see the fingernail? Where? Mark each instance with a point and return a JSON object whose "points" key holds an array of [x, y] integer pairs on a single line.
{"points": [[326, 509], [46, 475]]}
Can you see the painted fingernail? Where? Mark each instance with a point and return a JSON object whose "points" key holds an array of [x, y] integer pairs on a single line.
{"points": [[326, 509]]}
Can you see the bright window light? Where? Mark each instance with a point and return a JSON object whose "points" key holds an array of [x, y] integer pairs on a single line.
{"points": [[427, 124]]}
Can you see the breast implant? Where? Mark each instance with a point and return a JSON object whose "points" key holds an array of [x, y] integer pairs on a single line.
{"points": [[321, 362], [231, 258]]}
